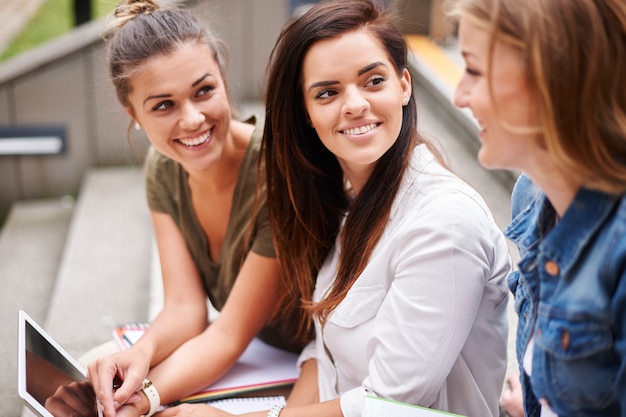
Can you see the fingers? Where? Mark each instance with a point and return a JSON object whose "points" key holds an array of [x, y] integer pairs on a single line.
{"points": [[101, 374], [127, 392], [514, 382], [116, 379], [511, 398]]}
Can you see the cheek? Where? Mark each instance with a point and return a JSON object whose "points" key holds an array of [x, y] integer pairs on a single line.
{"points": [[322, 117], [479, 99]]}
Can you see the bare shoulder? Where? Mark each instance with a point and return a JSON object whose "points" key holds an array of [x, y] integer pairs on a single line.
{"points": [[241, 133]]}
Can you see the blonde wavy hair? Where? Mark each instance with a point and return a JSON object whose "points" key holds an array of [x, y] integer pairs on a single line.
{"points": [[575, 55]]}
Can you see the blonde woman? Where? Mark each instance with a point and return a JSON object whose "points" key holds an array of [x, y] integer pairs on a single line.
{"points": [[545, 81]]}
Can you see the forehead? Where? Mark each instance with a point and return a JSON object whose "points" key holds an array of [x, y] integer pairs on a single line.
{"points": [[178, 68], [351, 50], [475, 43], [473, 39]]}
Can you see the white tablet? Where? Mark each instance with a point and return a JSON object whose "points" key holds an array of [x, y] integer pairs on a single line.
{"points": [[43, 367]]}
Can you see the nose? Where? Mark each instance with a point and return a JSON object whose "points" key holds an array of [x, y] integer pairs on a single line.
{"points": [[461, 95], [355, 103], [191, 117]]}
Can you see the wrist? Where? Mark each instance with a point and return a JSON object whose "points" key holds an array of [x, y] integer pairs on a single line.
{"points": [[152, 396]]}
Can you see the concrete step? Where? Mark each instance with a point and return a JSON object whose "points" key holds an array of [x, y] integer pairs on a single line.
{"points": [[103, 278], [31, 246], [78, 269]]}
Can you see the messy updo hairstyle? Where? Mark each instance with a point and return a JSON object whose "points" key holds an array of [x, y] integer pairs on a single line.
{"points": [[575, 57], [141, 29]]}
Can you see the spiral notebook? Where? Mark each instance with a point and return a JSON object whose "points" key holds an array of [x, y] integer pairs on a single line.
{"points": [[260, 367], [247, 404]]}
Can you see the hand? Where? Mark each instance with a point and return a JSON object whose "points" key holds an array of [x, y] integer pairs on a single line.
{"points": [[76, 399], [193, 410], [511, 399], [116, 379]]}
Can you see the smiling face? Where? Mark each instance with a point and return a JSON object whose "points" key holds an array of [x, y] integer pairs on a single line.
{"points": [[353, 96], [509, 126], [181, 102]]}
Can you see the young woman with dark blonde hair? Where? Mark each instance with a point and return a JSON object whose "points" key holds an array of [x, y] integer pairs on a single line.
{"points": [[546, 82], [212, 232]]}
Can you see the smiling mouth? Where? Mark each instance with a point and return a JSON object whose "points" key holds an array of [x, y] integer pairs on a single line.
{"points": [[196, 141], [361, 129]]}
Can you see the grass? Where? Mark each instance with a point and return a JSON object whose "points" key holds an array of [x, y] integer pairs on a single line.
{"points": [[54, 18]]}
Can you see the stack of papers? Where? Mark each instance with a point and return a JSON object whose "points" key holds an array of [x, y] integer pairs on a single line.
{"points": [[260, 367]]}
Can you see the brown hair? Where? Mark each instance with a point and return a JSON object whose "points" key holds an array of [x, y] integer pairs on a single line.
{"points": [[141, 29], [307, 199], [575, 55]]}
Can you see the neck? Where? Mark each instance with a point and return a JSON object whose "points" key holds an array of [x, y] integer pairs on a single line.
{"points": [[356, 177], [224, 172], [559, 189]]}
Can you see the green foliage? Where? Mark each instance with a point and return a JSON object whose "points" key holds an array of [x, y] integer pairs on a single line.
{"points": [[54, 18]]}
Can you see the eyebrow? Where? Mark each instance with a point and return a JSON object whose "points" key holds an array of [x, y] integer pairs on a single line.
{"points": [[362, 71], [194, 84]]}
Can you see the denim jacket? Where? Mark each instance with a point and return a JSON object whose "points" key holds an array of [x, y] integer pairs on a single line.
{"points": [[570, 294]]}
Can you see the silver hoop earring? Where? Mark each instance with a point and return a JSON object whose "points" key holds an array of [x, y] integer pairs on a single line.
{"points": [[137, 126]]}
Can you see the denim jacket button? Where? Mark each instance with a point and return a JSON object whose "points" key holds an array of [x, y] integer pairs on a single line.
{"points": [[552, 268], [565, 340]]}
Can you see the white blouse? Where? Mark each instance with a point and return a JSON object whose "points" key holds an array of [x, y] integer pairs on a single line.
{"points": [[425, 323]]}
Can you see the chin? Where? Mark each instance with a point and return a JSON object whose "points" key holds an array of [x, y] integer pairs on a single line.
{"points": [[485, 160]]}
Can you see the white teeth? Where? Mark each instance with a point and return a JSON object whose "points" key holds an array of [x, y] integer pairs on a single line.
{"points": [[360, 130], [196, 141]]}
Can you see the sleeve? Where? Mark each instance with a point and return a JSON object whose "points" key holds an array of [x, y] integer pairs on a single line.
{"points": [[444, 259], [618, 312], [263, 244], [156, 187], [307, 353]]}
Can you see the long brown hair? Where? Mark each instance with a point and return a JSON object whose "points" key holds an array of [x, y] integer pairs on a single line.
{"points": [[307, 199], [575, 57]]}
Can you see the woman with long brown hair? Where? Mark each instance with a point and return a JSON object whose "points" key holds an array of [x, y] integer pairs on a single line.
{"points": [[397, 261]]}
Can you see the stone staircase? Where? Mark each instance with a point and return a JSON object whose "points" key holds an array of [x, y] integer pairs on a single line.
{"points": [[78, 267]]}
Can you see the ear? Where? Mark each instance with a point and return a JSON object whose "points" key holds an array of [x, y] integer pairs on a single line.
{"points": [[405, 83], [130, 112]]}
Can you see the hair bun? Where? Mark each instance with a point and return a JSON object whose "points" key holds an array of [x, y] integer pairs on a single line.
{"points": [[129, 9]]}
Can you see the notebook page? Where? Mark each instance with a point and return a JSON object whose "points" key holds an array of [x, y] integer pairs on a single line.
{"points": [[243, 405]]}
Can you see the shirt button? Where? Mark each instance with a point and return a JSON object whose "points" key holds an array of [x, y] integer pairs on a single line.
{"points": [[552, 268]]}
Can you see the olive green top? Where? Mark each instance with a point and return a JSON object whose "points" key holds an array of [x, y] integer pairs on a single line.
{"points": [[167, 190]]}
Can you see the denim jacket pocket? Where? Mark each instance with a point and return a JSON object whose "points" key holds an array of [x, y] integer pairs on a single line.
{"points": [[360, 305], [577, 362]]}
